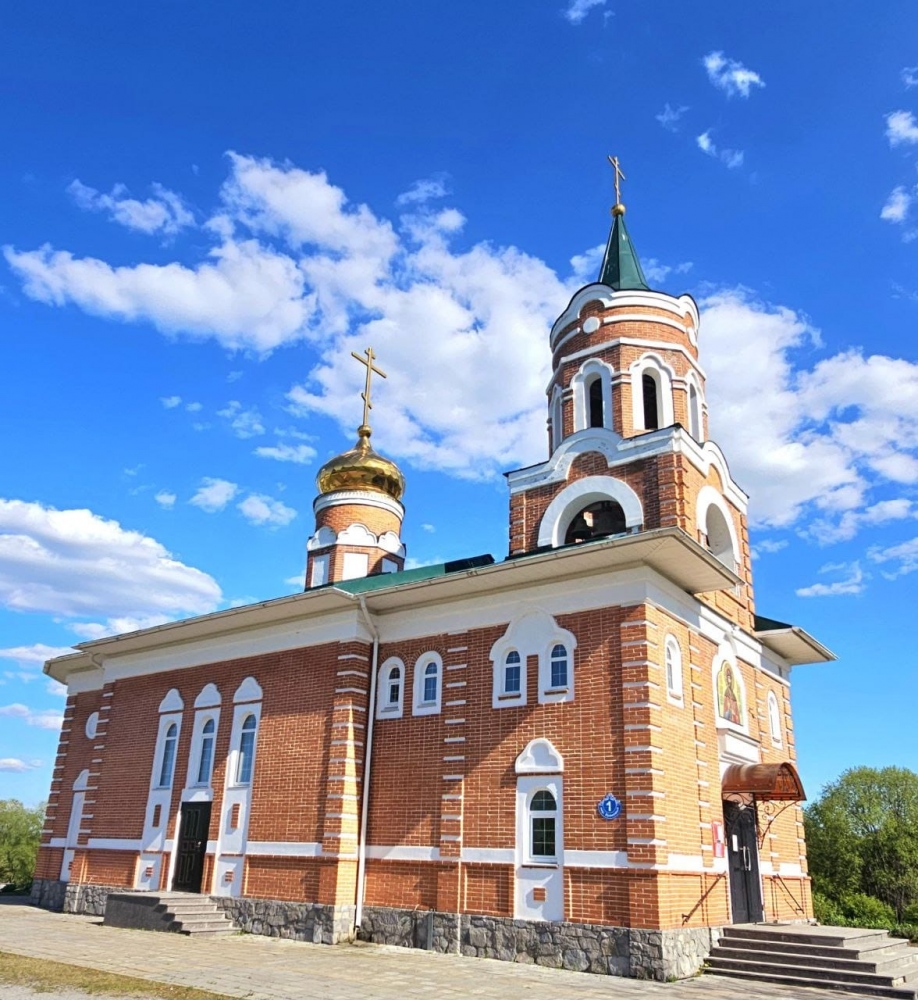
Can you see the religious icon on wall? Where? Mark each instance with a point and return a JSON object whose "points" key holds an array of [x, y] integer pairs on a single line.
{"points": [[729, 696]]}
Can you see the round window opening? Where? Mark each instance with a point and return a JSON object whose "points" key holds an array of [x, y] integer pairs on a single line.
{"points": [[92, 725], [605, 517]]}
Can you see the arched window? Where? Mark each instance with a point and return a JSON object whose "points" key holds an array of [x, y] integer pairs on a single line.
{"points": [[246, 751], [604, 517], [512, 672], [597, 418], [558, 664], [719, 539], [431, 677], [428, 683], [206, 763], [694, 412], [394, 687], [673, 662], [557, 418], [543, 818], [167, 765], [649, 389], [774, 718]]}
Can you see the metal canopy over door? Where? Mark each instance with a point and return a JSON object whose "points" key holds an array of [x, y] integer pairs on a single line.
{"points": [[192, 846], [743, 861]]}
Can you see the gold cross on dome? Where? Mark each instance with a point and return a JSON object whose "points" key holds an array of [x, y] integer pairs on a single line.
{"points": [[619, 176], [367, 359]]}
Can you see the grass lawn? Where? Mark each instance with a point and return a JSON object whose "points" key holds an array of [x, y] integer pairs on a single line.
{"points": [[49, 977]]}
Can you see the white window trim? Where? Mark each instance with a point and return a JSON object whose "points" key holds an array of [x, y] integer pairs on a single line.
{"points": [[674, 691], [165, 721], [696, 412], [556, 410], [385, 709], [547, 694], [663, 375], [201, 718], [92, 725], [581, 493], [501, 698], [526, 788], [240, 714], [421, 707], [774, 720], [591, 369]]}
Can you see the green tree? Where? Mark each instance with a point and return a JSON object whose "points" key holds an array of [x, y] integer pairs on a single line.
{"points": [[20, 832], [862, 837]]}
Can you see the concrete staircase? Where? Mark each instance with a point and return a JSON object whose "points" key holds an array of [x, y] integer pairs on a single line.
{"points": [[177, 912], [853, 959]]}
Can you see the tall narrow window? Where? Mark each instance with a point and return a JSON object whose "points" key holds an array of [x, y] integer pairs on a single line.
{"points": [[596, 407], [246, 751], [559, 666], [430, 682], [205, 765], [395, 687], [168, 761], [651, 413], [694, 413], [543, 818], [673, 661], [774, 718], [512, 672]]}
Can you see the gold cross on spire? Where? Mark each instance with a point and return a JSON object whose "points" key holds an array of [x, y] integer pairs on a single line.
{"points": [[618, 208], [367, 359]]}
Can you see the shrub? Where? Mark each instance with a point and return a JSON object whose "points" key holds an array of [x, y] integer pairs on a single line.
{"points": [[827, 910], [861, 910]]}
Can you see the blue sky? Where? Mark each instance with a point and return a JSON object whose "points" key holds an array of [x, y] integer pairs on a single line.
{"points": [[208, 206]]}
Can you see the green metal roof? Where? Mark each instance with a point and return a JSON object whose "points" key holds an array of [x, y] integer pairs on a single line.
{"points": [[763, 624], [382, 581], [621, 268]]}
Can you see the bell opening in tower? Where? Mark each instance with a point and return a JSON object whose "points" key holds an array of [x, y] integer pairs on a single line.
{"points": [[596, 411], [599, 519]]}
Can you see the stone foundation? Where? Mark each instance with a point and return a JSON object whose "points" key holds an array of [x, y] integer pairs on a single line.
{"points": [[313, 922], [71, 897], [611, 951]]}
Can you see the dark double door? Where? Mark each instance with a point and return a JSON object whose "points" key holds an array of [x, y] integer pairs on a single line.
{"points": [[192, 846], [743, 863]]}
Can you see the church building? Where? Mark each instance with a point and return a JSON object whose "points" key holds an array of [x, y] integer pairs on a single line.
{"points": [[580, 755]]}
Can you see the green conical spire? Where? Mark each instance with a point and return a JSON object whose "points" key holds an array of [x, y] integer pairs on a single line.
{"points": [[621, 268]]}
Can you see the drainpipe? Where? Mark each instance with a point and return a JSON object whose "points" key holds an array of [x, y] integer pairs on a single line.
{"points": [[367, 760]]}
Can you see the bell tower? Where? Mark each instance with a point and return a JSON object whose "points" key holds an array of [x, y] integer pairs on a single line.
{"points": [[627, 426], [358, 509]]}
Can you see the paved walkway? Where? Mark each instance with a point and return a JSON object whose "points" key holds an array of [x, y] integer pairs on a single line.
{"points": [[260, 968]]}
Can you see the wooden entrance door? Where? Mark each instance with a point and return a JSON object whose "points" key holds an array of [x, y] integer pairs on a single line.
{"points": [[743, 862], [192, 846]]}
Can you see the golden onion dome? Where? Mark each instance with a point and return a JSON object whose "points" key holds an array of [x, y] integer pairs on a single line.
{"points": [[361, 468]]}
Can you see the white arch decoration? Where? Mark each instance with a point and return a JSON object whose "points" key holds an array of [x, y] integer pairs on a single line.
{"points": [[82, 782], [582, 492], [709, 497], [663, 375], [588, 370], [172, 702], [540, 757], [248, 690], [208, 698]]}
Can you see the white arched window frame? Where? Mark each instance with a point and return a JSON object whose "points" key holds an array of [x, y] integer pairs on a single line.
{"points": [[202, 756], [774, 719], [167, 737], [512, 680], [540, 813], [556, 669], [662, 374], [591, 371], [391, 694], [716, 529], [248, 737], [581, 493], [695, 407], [556, 412], [428, 684], [672, 655]]}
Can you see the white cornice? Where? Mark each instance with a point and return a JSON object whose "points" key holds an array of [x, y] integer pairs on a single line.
{"points": [[358, 498]]}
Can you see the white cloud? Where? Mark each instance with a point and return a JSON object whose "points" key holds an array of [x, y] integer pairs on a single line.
{"points": [[74, 563], [852, 582], [118, 625], [170, 402], [905, 554], [35, 654], [909, 76], [424, 191], [577, 10], [164, 213], [261, 509], [827, 531], [730, 76], [42, 719], [897, 205], [56, 688], [245, 423], [194, 407], [428, 527], [901, 128], [165, 499], [670, 117], [301, 454], [214, 494], [13, 765], [769, 546], [731, 158]]}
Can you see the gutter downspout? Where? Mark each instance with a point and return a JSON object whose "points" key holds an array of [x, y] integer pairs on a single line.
{"points": [[367, 760]]}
